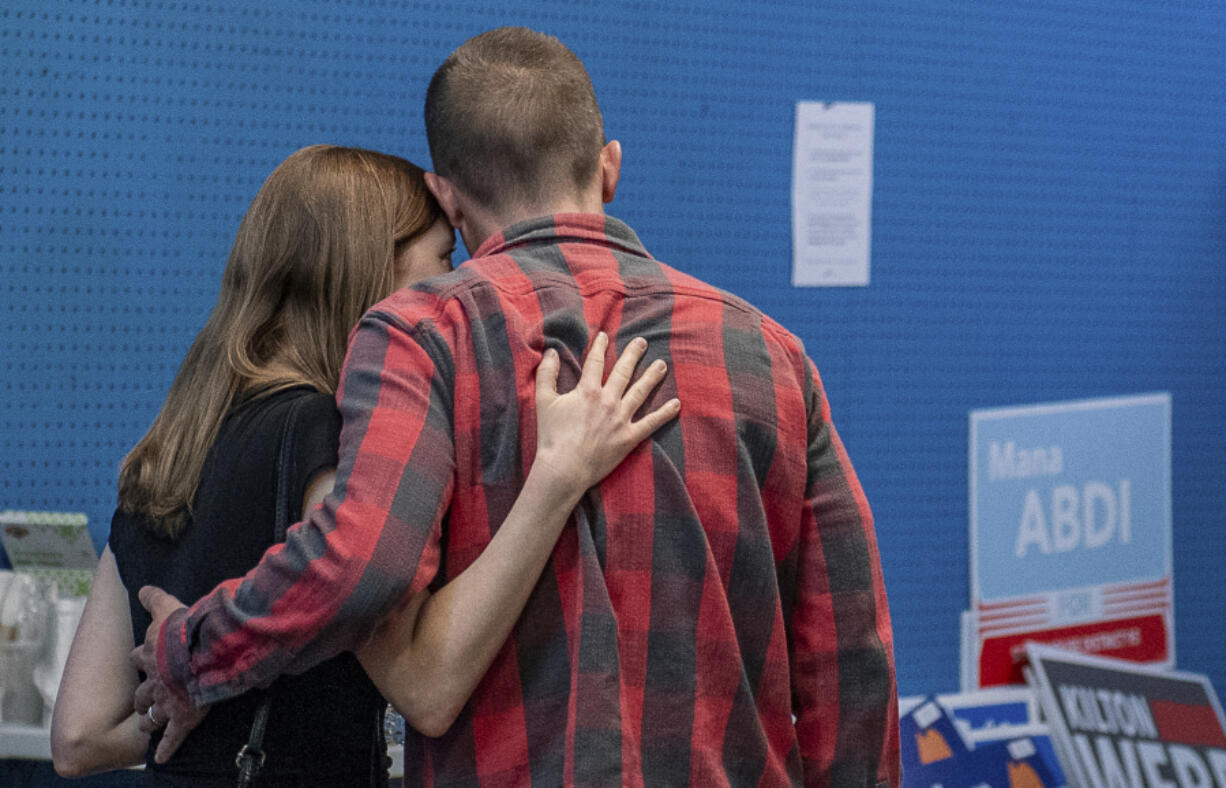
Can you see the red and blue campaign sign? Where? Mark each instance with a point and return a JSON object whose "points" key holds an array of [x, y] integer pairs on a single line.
{"points": [[1070, 530], [1116, 723]]}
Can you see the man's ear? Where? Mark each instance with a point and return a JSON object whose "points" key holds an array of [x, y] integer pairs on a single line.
{"points": [[445, 192], [610, 169]]}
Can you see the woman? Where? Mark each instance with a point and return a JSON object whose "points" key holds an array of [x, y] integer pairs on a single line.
{"points": [[332, 231]]}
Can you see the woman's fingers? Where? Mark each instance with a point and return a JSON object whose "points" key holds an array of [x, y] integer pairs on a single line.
{"points": [[623, 368], [640, 430], [633, 399], [592, 376], [618, 388], [547, 378], [143, 698], [630, 399]]}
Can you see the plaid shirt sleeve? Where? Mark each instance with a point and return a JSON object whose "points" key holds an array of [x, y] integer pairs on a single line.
{"points": [[846, 700], [375, 539]]}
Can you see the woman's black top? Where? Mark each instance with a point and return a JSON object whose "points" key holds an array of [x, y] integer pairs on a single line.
{"points": [[325, 725]]}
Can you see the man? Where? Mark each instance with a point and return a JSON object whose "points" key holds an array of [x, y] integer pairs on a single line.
{"points": [[716, 614]]}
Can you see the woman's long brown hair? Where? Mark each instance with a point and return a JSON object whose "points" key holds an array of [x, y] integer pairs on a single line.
{"points": [[314, 251]]}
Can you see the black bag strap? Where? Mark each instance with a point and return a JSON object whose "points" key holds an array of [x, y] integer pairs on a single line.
{"points": [[250, 758]]}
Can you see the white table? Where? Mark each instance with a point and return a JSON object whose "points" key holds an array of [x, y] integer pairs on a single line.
{"points": [[24, 741], [31, 741]]}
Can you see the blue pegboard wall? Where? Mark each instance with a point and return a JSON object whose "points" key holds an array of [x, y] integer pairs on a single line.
{"points": [[1049, 220]]}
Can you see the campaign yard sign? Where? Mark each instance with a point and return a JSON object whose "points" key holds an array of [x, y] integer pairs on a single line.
{"points": [[936, 754], [1070, 531], [1117, 724]]}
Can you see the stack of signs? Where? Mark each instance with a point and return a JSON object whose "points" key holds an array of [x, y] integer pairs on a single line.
{"points": [[1116, 723], [1070, 530], [977, 739]]}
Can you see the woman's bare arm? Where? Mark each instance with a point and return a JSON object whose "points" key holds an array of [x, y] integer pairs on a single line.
{"points": [[93, 726]]}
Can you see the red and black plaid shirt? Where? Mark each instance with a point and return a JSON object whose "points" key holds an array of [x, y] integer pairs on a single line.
{"points": [[723, 579]]}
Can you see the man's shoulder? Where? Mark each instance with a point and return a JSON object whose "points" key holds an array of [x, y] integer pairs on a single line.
{"points": [[428, 299], [688, 285]]}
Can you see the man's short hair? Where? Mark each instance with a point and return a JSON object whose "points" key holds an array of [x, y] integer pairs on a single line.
{"points": [[512, 119]]}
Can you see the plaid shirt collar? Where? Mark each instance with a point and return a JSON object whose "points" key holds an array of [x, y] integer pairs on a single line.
{"points": [[589, 228]]}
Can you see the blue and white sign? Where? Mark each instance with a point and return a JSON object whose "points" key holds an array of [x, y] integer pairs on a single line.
{"points": [[1070, 530], [1069, 495]]}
